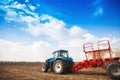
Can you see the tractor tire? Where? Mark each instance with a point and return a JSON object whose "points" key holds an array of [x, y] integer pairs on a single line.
{"points": [[60, 67], [45, 67], [69, 69], [113, 70], [51, 67]]}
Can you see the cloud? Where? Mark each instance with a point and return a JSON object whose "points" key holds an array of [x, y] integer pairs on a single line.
{"points": [[113, 41], [26, 0], [51, 31], [50, 27], [32, 7], [6, 2], [52, 34], [60, 37], [17, 5], [98, 8], [15, 11], [55, 29], [14, 51], [99, 11]]}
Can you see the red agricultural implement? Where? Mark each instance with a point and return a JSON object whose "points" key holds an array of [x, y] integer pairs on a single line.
{"points": [[101, 56]]}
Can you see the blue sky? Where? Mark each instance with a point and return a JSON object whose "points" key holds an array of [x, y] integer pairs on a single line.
{"points": [[47, 25]]}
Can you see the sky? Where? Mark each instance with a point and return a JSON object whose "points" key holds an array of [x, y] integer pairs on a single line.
{"points": [[30, 30]]}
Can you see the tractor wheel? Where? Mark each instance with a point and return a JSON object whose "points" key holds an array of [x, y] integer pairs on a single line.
{"points": [[113, 70], [45, 67], [69, 69], [51, 67], [59, 67]]}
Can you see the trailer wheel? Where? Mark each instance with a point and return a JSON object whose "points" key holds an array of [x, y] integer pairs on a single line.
{"points": [[45, 67], [59, 67], [113, 70]]}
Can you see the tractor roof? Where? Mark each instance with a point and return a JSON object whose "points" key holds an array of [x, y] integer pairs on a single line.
{"points": [[60, 51]]}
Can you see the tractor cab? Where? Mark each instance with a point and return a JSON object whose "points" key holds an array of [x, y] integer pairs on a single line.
{"points": [[60, 54]]}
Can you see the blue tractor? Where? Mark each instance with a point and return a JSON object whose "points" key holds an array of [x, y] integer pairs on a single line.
{"points": [[60, 63]]}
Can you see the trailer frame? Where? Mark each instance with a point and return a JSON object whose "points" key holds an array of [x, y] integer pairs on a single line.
{"points": [[97, 60]]}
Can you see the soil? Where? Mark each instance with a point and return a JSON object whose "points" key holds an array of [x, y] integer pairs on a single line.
{"points": [[32, 71]]}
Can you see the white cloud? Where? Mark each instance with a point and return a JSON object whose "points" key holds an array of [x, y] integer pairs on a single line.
{"points": [[12, 14], [26, 0], [14, 51], [52, 32], [28, 19], [6, 1], [62, 38], [75, 31], [58, 37], [113, 41], [32, 7], [17, 5]]}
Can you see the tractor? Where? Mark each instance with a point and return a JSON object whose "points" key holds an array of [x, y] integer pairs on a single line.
{"points": [[102, 57], [60, 63]]}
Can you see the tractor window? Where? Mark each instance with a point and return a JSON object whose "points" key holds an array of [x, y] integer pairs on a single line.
{"points": [[55, 54], [64, 54], [60, 54]]}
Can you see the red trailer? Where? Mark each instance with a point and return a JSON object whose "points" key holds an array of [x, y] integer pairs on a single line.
{"points": [[95, 58], [101, 56]]}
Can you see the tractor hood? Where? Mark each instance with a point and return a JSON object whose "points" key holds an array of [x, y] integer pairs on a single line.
{"points": [[59, 58], [66, 59], [50, 60]]}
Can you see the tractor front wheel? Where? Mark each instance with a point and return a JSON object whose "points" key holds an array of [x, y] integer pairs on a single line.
{"points": [[113, 70], [45, 67], [59, 67]]}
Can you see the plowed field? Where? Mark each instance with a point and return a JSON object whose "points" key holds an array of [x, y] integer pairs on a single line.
{"points": [[32, 71]]}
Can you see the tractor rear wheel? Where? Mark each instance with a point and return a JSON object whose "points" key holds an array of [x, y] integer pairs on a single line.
{"points": [[45, 67], [59, 66], [69, 69], [113, 70]]}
